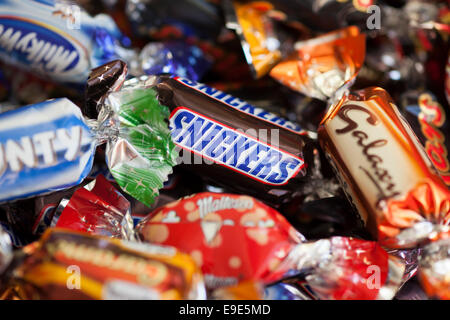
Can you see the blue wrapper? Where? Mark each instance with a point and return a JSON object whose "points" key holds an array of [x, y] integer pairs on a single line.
{"points": [[283, 291], [57, 40], [43, 147], [17, 241], [174, 57]]}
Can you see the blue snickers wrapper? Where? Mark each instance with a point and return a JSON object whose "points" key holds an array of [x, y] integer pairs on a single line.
{"points": [[43, 147], [57, 40]]}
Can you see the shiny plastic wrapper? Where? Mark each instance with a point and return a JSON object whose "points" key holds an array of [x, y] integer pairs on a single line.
{"points": [[97, 208], [323, 65], [58, 40], [107, 269], [44, 154], [385, 171], [270, 249]]}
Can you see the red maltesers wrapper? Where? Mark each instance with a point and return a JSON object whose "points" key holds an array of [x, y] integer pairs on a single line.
{"points": [[98, 208], [232, 237], [384, 169], [323, 65], [236, 238]]}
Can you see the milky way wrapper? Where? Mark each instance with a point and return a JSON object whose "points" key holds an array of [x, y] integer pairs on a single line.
{"points": [[385, 171], [57, 40], [66, 264]]}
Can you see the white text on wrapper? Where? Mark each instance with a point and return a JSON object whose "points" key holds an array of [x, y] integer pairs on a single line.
{"points": [[232, 149], [17, 154]]}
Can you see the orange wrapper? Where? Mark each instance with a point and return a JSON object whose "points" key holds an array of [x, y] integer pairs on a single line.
{"points": [[323, 65], [246, 290], [66, 264], [384, 169], [255, 29], [12, 293]]}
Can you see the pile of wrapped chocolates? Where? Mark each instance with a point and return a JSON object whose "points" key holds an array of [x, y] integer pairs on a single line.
{"points": [[224, 149]]}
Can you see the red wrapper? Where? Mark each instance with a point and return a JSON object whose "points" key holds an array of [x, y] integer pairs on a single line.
{"points": [[232, 237], [237, 239], [98, 208], [348, 269]]}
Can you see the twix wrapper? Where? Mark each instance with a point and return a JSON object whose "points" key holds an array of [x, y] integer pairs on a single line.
{"points": [[66, 264], [384, 169]]}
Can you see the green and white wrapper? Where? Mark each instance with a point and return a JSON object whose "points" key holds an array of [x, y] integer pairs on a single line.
{"points": [[140, 152]]}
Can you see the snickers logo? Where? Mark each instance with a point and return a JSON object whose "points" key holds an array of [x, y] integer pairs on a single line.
{"points": [[232, 148]]}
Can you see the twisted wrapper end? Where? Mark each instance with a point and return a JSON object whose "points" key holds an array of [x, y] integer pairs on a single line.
{"points": [[434, 266], [343, 268], [420, 216]]}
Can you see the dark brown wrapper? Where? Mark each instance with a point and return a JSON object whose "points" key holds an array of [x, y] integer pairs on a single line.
{"points": [[178, 96]]}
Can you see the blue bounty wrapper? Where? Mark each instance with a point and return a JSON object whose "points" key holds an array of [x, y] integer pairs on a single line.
{"points": [[43, 147]]}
